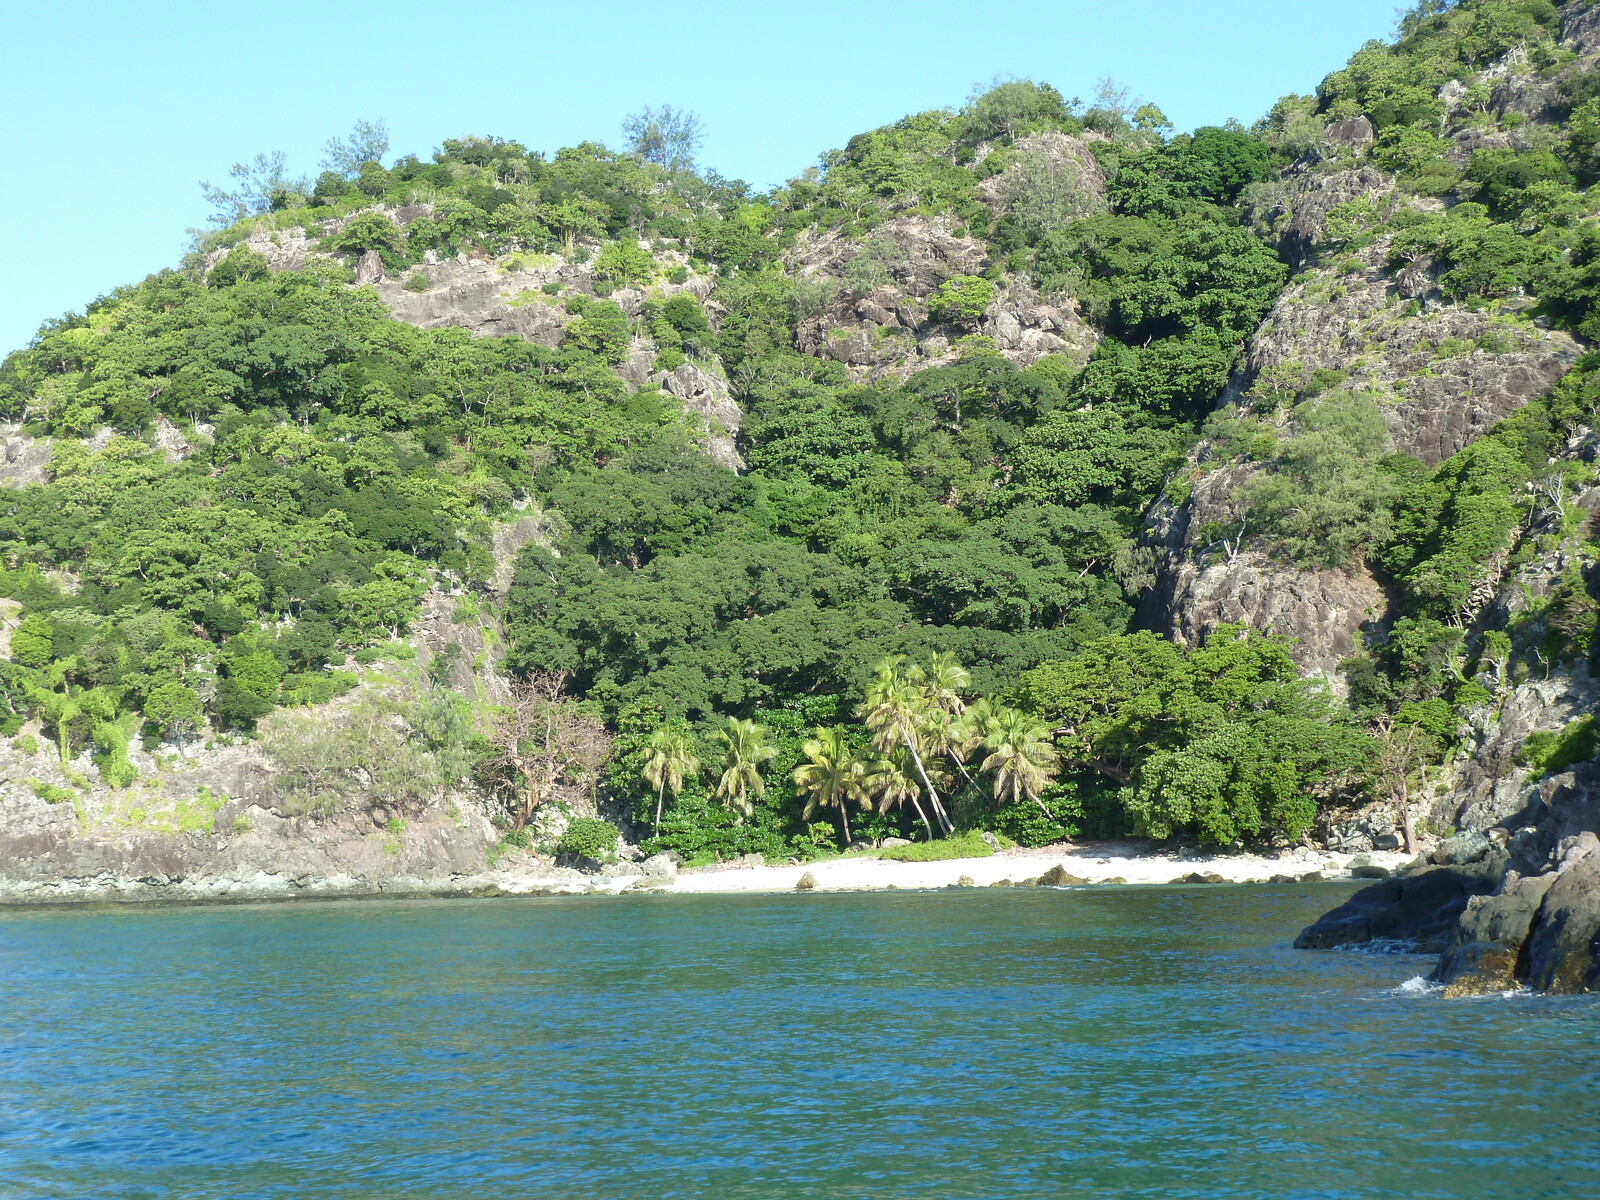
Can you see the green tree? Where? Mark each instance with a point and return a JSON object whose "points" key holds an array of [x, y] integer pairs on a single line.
{"points": [[667, 760], [1021, 756], [832, 777], [745, 751], [896, 712]]}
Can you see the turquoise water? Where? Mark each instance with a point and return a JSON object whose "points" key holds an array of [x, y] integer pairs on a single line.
{"points": [[1106, 1043]]}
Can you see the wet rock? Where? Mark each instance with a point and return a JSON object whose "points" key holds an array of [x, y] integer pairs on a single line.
{"points": [[1058, 876], [1483, 950], [1563, 953], [1421, 910]]}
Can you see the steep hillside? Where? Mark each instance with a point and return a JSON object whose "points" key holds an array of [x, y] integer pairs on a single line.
{"points": [[858, 499]]}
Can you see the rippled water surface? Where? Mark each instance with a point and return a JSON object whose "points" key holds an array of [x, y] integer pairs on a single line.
{"points": [[1106, 1043]]}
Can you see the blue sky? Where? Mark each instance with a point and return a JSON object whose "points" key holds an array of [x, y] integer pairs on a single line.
{"points": [[113, 112]]}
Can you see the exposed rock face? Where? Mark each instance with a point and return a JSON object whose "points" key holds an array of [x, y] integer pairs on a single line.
{"points": [[1062, 163], [706, 395], [204, 821], [1313, 194], [1447, 374], [1490, 786], [25, 460], [1199, 587], [1525, 912], [884, 330]]}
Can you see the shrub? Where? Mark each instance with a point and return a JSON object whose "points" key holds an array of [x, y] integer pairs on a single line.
{"points": [[1028, 825], [678, 275], [589, 838], [416, 282], [1550, 753], [960, 299], [624, 263], [968, 844]]}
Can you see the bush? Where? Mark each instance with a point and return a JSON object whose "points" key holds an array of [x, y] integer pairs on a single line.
{"points": [[1550, 753], [1028, 825], [416, 282], [968, 844], [960, 299], [624, 263], [589, 838]]}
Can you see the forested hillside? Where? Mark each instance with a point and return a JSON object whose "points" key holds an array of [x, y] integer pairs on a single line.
{"points": [[1027, 466]]}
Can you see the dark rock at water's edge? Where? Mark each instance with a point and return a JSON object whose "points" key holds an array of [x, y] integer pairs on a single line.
{"points": [[1514, 905], [1420, 909], [1059, 876]]}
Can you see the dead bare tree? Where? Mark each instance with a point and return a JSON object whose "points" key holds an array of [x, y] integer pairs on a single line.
{"points": [[544, 739], [1400, 753]]}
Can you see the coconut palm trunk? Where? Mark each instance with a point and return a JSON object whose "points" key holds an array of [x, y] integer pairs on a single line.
{"points": [[661, 800], [933, 796]]}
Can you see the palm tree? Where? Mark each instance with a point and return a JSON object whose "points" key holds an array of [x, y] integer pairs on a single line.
{"points": [[896, 713], [834, 778], [668, 761], [941, 682], [745, 751], [1021, 755], [892, 781]]}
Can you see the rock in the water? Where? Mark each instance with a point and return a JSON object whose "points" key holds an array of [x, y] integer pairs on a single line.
{"points": [[1057, 876], [806, 882], [1487, 942], [1422, 909], [1563, 955], [966, 881]]}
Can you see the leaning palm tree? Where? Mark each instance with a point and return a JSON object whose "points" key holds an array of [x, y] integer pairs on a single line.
{"points": [[667, 762], [833, 778], [897, 713], [745, 751], [892, 779], [941, 682], [1021, 756]]}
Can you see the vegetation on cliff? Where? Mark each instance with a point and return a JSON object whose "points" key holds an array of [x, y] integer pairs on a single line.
{"points": [[912, 606]]}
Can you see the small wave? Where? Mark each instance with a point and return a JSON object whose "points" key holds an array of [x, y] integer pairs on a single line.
{"points": [[1417, 985], [1384, 946]]}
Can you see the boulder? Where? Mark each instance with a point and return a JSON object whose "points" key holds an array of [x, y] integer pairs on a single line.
{"points": [[1057, 876], [1563, 954], [806, 883], [657, 871], [1421, 910], [1483, 950]]}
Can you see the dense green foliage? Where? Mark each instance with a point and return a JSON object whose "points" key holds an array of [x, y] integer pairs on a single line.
{"points": [[910, 609]]}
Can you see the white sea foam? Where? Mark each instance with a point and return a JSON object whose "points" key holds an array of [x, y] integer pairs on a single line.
{"points": [[1417, 985]]}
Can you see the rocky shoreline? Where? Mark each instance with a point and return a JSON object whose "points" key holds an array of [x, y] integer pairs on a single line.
{"points": [[1053, 867], [1517, 905]]}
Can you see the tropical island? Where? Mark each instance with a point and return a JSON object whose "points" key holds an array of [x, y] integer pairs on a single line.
{"points": [[1029, 471]]}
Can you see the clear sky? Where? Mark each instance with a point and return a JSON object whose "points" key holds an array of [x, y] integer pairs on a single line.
{"points": [[113, 111]]}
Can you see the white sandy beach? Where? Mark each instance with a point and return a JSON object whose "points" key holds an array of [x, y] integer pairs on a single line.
{"points": [[1016, 866]]}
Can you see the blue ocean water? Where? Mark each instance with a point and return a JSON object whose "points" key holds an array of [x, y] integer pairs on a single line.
{"points": [[1113, 1042]]}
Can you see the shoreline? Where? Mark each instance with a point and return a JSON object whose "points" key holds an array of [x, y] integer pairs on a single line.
{"points": [[1111, 864]]}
